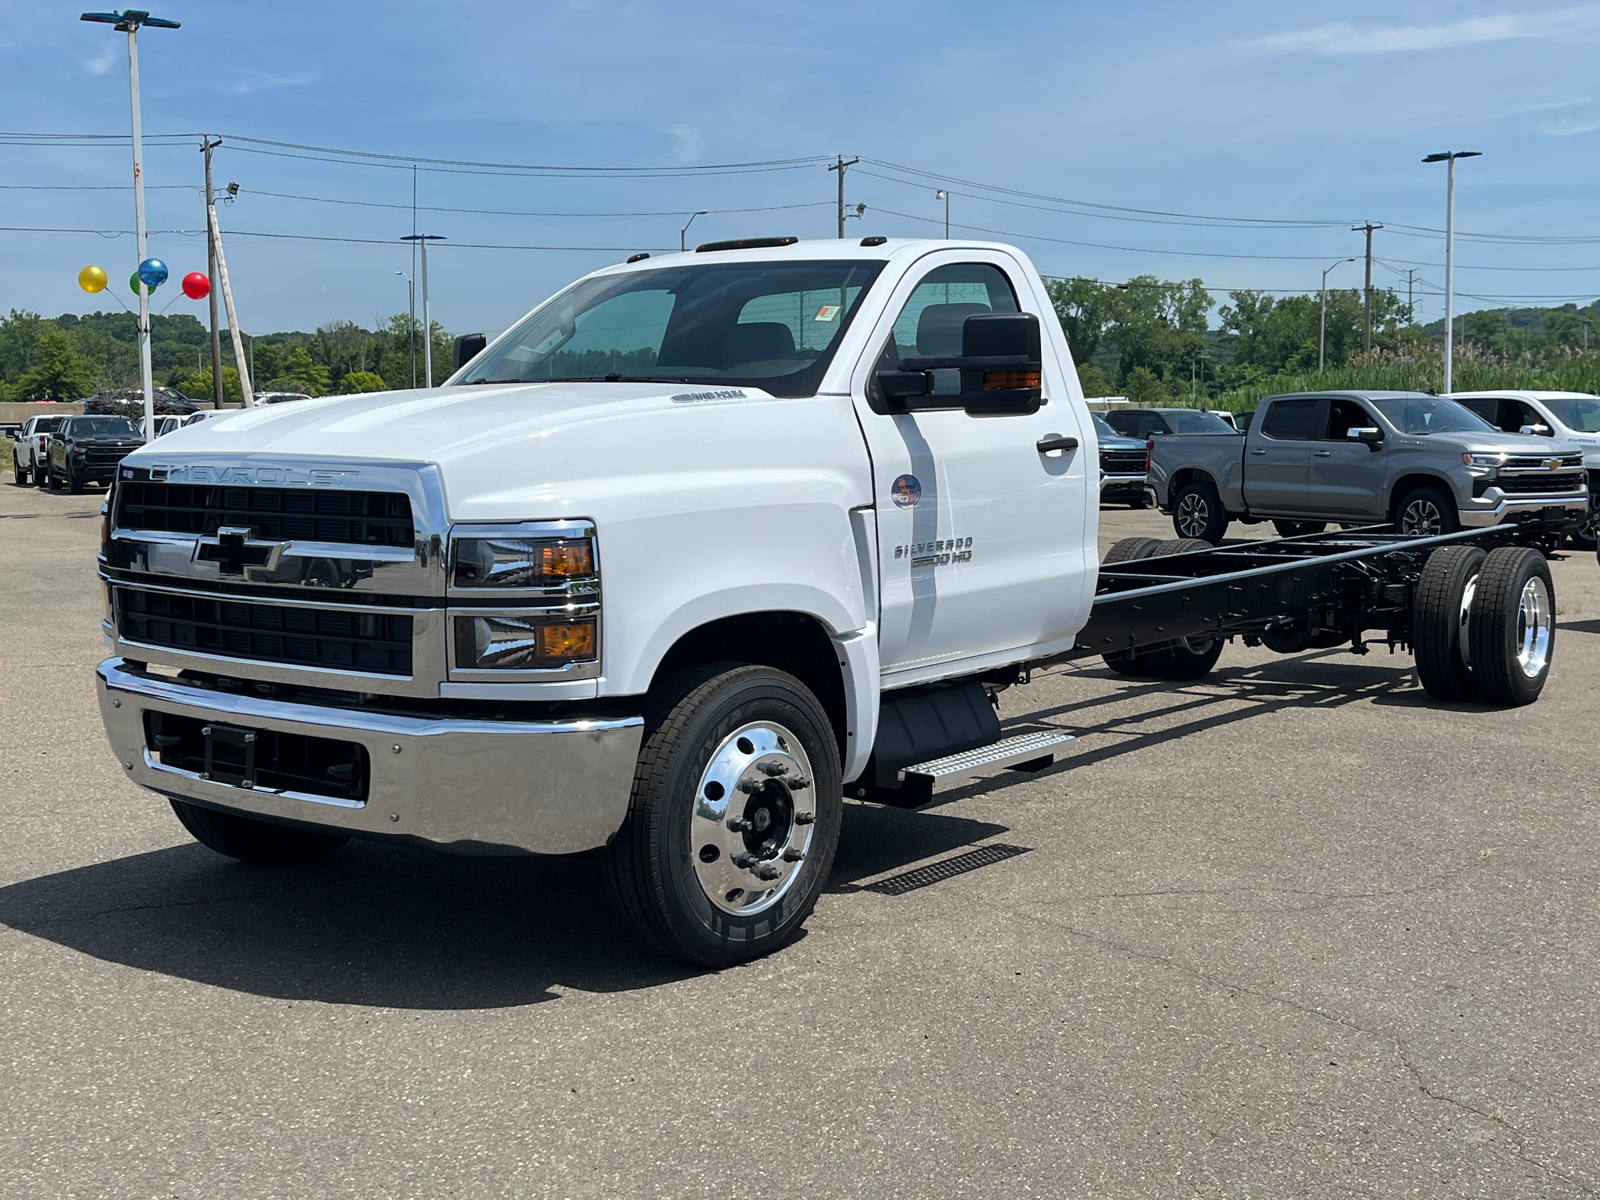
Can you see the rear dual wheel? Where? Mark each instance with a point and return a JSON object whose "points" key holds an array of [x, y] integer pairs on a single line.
{"points": [[1483, 625]]}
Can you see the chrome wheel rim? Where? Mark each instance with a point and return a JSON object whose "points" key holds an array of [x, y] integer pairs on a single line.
{"points": [[1193, 513], [1464, 619], [1535, 624], [754, 816], [1422, 516]]}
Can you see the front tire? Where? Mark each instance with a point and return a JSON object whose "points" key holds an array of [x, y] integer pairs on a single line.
{"points": [[1440, 618], [1513, 626], [1191, 657], [1197, 512], [1129, 662], [734, 819], [1426, 511], [74, 484], [260, 842]]}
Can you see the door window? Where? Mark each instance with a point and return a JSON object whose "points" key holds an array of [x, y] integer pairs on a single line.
{"points": [[930, 324], [1345, 415], [1291, 421]]}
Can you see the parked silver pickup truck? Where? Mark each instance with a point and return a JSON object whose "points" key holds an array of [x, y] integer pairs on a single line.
{"points": [[1424, 463]]}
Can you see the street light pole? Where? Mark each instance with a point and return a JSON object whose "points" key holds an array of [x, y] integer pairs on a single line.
{"points": [[411, 311], [1322, 331], [1449, 158], [129, 22], [427, 323], [683, 234], [942, 194]]}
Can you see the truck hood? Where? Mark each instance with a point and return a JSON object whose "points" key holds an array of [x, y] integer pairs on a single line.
{"points": [[1505, 443]]}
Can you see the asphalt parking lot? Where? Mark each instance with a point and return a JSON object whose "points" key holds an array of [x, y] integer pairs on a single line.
{"points": [[1293, 930]]}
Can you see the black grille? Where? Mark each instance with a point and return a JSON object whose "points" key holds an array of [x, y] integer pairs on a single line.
{"points": [[1535, 462], [289, 762], [1122, 462], [106, 457], [1552, 484], [376, 642], [274, 514]]}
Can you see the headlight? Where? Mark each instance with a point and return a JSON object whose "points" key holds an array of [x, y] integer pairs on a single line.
{"points": [[1483, 460], [511, 642], [514, 562]]}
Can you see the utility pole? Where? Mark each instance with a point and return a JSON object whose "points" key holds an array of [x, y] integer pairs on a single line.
{"points": [[214, 233], [1367, 227], [1411, 279], [427, 324], [1322, 326], [207, 145], [841, 166]]}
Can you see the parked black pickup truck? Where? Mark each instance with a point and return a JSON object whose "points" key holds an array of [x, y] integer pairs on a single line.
{"points": [[88, 449]]}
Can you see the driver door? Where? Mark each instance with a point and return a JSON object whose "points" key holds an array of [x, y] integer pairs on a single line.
{"points": [[986, 544]]}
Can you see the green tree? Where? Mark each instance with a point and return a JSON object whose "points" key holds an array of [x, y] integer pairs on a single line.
{"points": [[197, 384], [1094, 380], [1086, 309], [58, 372], [362, 381], [1141, 386], [291, 369]]}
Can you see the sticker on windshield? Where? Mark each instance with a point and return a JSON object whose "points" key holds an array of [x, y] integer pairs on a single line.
{"points": [[906, 491], [827, 312]]}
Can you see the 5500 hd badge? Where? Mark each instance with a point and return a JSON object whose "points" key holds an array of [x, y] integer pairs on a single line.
{"points": [[936, 553]]}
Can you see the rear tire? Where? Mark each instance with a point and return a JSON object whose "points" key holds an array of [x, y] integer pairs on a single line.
{"points": [[20, 476], [1129, 662], [252, 841], [1291, 529], [1187, 658], [1513, 626], [1427, 511], [1197, 512], [1440, 619], [692, 884]]}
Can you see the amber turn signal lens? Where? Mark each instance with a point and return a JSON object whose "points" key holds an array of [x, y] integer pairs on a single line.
{"points": [[1005, 381], [566, 559], [566, 641]]}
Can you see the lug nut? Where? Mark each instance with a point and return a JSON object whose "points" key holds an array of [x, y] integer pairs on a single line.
{"points": [[775, 769], [751, 786], [802, 818], [746, 862], [738, 825], [798, 784], [793, 855], [768, 873]]}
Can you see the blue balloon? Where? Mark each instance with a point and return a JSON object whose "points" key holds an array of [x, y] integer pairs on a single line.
{"points": [[153, 271]]}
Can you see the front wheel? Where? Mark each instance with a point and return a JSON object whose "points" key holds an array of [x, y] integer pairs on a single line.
{"points": [[252, 841], [74, 484], [1197, 512], [734, 819], [1426, 511]]}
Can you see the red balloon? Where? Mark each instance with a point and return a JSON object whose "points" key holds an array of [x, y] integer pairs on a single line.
{"points": [[196, 286]]}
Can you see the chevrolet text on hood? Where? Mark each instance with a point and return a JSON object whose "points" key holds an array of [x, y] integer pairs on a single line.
{"points": [[702, 544]]}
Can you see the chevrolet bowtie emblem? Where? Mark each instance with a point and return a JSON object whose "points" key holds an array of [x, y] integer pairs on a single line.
{"points": [[233, 549], [1552, 464]]}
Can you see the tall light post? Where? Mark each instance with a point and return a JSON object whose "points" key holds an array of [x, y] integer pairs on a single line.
{"points": [[1449, 157], [129, 22], [1322, 330], [683, 234], [411, 311], [941, 194], [427, 323]]}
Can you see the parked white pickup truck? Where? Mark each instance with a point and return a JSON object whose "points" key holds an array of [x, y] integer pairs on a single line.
{"points": [[700, 545]]}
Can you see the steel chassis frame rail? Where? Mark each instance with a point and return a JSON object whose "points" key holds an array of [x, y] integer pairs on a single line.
{"points": [[1344, 581]]}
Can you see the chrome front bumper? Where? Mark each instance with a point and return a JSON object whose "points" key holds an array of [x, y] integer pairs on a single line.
{"points": [[1575, 508], [466, 785]]}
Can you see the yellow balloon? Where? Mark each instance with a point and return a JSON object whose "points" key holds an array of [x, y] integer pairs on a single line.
{"points": [[92, 279]]}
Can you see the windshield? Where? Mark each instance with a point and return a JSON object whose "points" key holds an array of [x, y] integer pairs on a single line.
{"points": [[1581, 415], [1428, 414], [1197, 422], [768, 325], [104, 427], [1102, 427]]}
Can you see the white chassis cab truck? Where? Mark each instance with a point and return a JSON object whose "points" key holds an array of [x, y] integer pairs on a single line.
{"points": [[703, 544]]}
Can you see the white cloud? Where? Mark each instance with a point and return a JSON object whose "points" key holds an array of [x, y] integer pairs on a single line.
{"points": [[101, 63], [1568, 128], [1343, 38], [687, 144]]}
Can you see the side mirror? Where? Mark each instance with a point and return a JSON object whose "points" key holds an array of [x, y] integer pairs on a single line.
{"points": [[468, 347], [1540, 430], [1371, 435], [999, 370]]}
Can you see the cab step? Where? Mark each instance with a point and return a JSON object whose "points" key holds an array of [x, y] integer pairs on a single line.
{"points": [[1026, 751]]}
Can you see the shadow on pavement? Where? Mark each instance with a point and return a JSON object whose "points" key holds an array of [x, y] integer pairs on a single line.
{"points": [[1590, 626]]}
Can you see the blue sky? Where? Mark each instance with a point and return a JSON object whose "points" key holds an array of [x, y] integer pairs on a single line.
{"points": [[1261, 112]]}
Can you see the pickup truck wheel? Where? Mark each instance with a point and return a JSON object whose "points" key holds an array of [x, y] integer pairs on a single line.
{"points": [[1512, 629], [1440, 613], [1427, 511], [1197, 512], [74, 484], [734, 818], [1290, 529], [1129, 662], [19, 475], [1190, 657], [252, 841]]}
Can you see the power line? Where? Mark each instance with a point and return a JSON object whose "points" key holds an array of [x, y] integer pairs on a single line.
{"points": [[501, 212]]}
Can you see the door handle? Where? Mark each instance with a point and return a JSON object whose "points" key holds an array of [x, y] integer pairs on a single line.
{"points": [[1321, 453], [1258, 451], [1054, 442]]}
